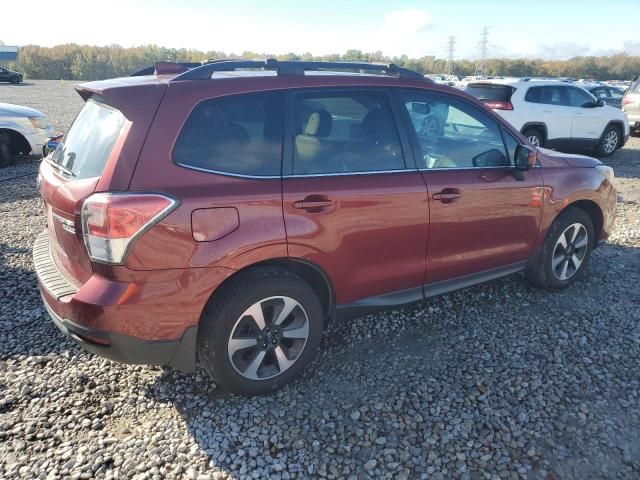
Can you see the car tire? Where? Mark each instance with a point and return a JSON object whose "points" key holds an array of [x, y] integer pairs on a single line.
{"points": [[249, 355], [565, 252], [14, 79], [5, 153], [535, 136], [610, 141]]}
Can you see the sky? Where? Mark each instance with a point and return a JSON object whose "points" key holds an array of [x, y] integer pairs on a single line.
{"points": [[551, 29]]}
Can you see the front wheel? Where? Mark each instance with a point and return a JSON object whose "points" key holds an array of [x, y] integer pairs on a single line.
{"points": [[565, 251], [260, 331], [609, 142]]}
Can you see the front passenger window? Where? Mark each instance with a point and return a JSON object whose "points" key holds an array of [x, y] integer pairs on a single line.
{"points": [[454, 134], [579, 98]]}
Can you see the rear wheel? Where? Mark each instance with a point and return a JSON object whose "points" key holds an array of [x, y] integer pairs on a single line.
{"points": [[260, 331], [5, 151], [565, 251], [609, 141], [535, 136]]}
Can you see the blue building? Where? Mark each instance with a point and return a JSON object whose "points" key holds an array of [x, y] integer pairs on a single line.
{"points": [[8, 53]]}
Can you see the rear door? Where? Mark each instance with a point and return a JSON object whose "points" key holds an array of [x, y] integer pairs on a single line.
{"points": [[589, 121], [481, 217], [353, 201], [549, 104]]}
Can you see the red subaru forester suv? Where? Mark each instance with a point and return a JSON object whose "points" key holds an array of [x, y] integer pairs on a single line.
{"points": [[222, 214]]}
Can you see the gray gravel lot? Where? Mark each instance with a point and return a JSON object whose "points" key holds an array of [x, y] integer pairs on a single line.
{"points": [[500, 381]]}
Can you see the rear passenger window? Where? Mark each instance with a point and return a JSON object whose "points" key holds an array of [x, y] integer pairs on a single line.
{"points": [[549, 95], [240, 134], [344, 132]]}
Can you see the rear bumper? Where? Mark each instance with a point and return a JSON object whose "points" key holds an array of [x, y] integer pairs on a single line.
{"points": [[634, 119], [178, 354], [145, 317]]}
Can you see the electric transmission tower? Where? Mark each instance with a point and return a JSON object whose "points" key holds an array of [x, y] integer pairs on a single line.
{"points": [[483, 48], [451, 48]]}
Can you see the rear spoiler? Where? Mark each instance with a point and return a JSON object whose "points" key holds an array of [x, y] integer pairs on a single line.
{"points": [[166, 68]]}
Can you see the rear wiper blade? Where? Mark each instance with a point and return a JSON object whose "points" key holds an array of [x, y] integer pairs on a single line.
{"points": [[61, 168]]}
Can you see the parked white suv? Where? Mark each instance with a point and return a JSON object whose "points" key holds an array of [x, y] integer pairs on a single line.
{"points": [[22, 130], [555, 114]]}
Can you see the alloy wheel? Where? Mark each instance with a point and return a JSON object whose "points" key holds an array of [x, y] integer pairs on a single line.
{"points": [[268, 338], [610, 141], [534, 140], [570, 251]]}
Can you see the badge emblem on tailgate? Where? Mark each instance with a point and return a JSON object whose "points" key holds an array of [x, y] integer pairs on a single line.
{"points": [[67, 225]]}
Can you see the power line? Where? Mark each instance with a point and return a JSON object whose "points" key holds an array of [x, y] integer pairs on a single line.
{"points": [[451, 48], [483, 48]]}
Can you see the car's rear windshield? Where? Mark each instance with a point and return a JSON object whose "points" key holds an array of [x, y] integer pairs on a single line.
{"points": [[85, 149], [496, 93], [635, 86]]}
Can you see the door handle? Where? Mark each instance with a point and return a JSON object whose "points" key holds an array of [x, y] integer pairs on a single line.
{"points": [[579, 113], [447, 195], [546, 111], [313, 203]]}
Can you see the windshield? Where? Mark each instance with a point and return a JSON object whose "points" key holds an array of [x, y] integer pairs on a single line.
{"points": [[85, 149]]}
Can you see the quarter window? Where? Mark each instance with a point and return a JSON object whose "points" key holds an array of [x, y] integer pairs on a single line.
{"points": [[239, 134], [344, 132], [453, 134]]}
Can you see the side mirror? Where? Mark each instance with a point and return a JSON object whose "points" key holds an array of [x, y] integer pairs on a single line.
{"points": [[525, 157], [421, 108], [600, 103]]}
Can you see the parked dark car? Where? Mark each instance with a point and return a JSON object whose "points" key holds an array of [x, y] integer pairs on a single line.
{"points": [[224, 215], [7, 75], [610, 95]]}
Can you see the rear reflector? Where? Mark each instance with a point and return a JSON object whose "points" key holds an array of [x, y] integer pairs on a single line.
{"points": [[111, 222], [497, 105]]}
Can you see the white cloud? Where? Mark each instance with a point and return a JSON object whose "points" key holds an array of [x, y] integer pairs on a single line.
{"points": [[408, 21]]}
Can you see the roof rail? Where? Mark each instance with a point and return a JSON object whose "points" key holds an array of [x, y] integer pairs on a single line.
{"points": [[283, 68], [160, 68]]}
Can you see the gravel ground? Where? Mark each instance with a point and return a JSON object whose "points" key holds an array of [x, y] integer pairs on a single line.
{"points": [[500, 381]]}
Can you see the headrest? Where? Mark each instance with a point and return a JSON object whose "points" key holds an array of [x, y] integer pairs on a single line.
{"points": [[376, 126], [319, 124]]}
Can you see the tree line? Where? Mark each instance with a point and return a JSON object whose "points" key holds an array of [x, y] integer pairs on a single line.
{"points": [[86, 62]]}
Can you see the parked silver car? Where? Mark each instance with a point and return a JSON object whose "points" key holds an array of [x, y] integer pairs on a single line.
{"points": [[23, 130], [631, 104]]}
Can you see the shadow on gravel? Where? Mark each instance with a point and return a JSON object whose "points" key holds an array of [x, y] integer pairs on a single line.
{"points": [[498, 363]]}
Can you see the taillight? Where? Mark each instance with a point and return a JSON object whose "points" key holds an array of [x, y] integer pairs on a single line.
{"points": [[626, 101], [496, 105], [111, 222]]}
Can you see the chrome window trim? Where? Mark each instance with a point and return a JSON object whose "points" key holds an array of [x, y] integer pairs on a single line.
{"points": [[345, 174], [339, 174], [502, 167], [228, 174]]}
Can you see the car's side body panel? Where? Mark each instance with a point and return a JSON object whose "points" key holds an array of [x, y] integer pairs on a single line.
{"points": [[493, 222], [372, 239]]}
